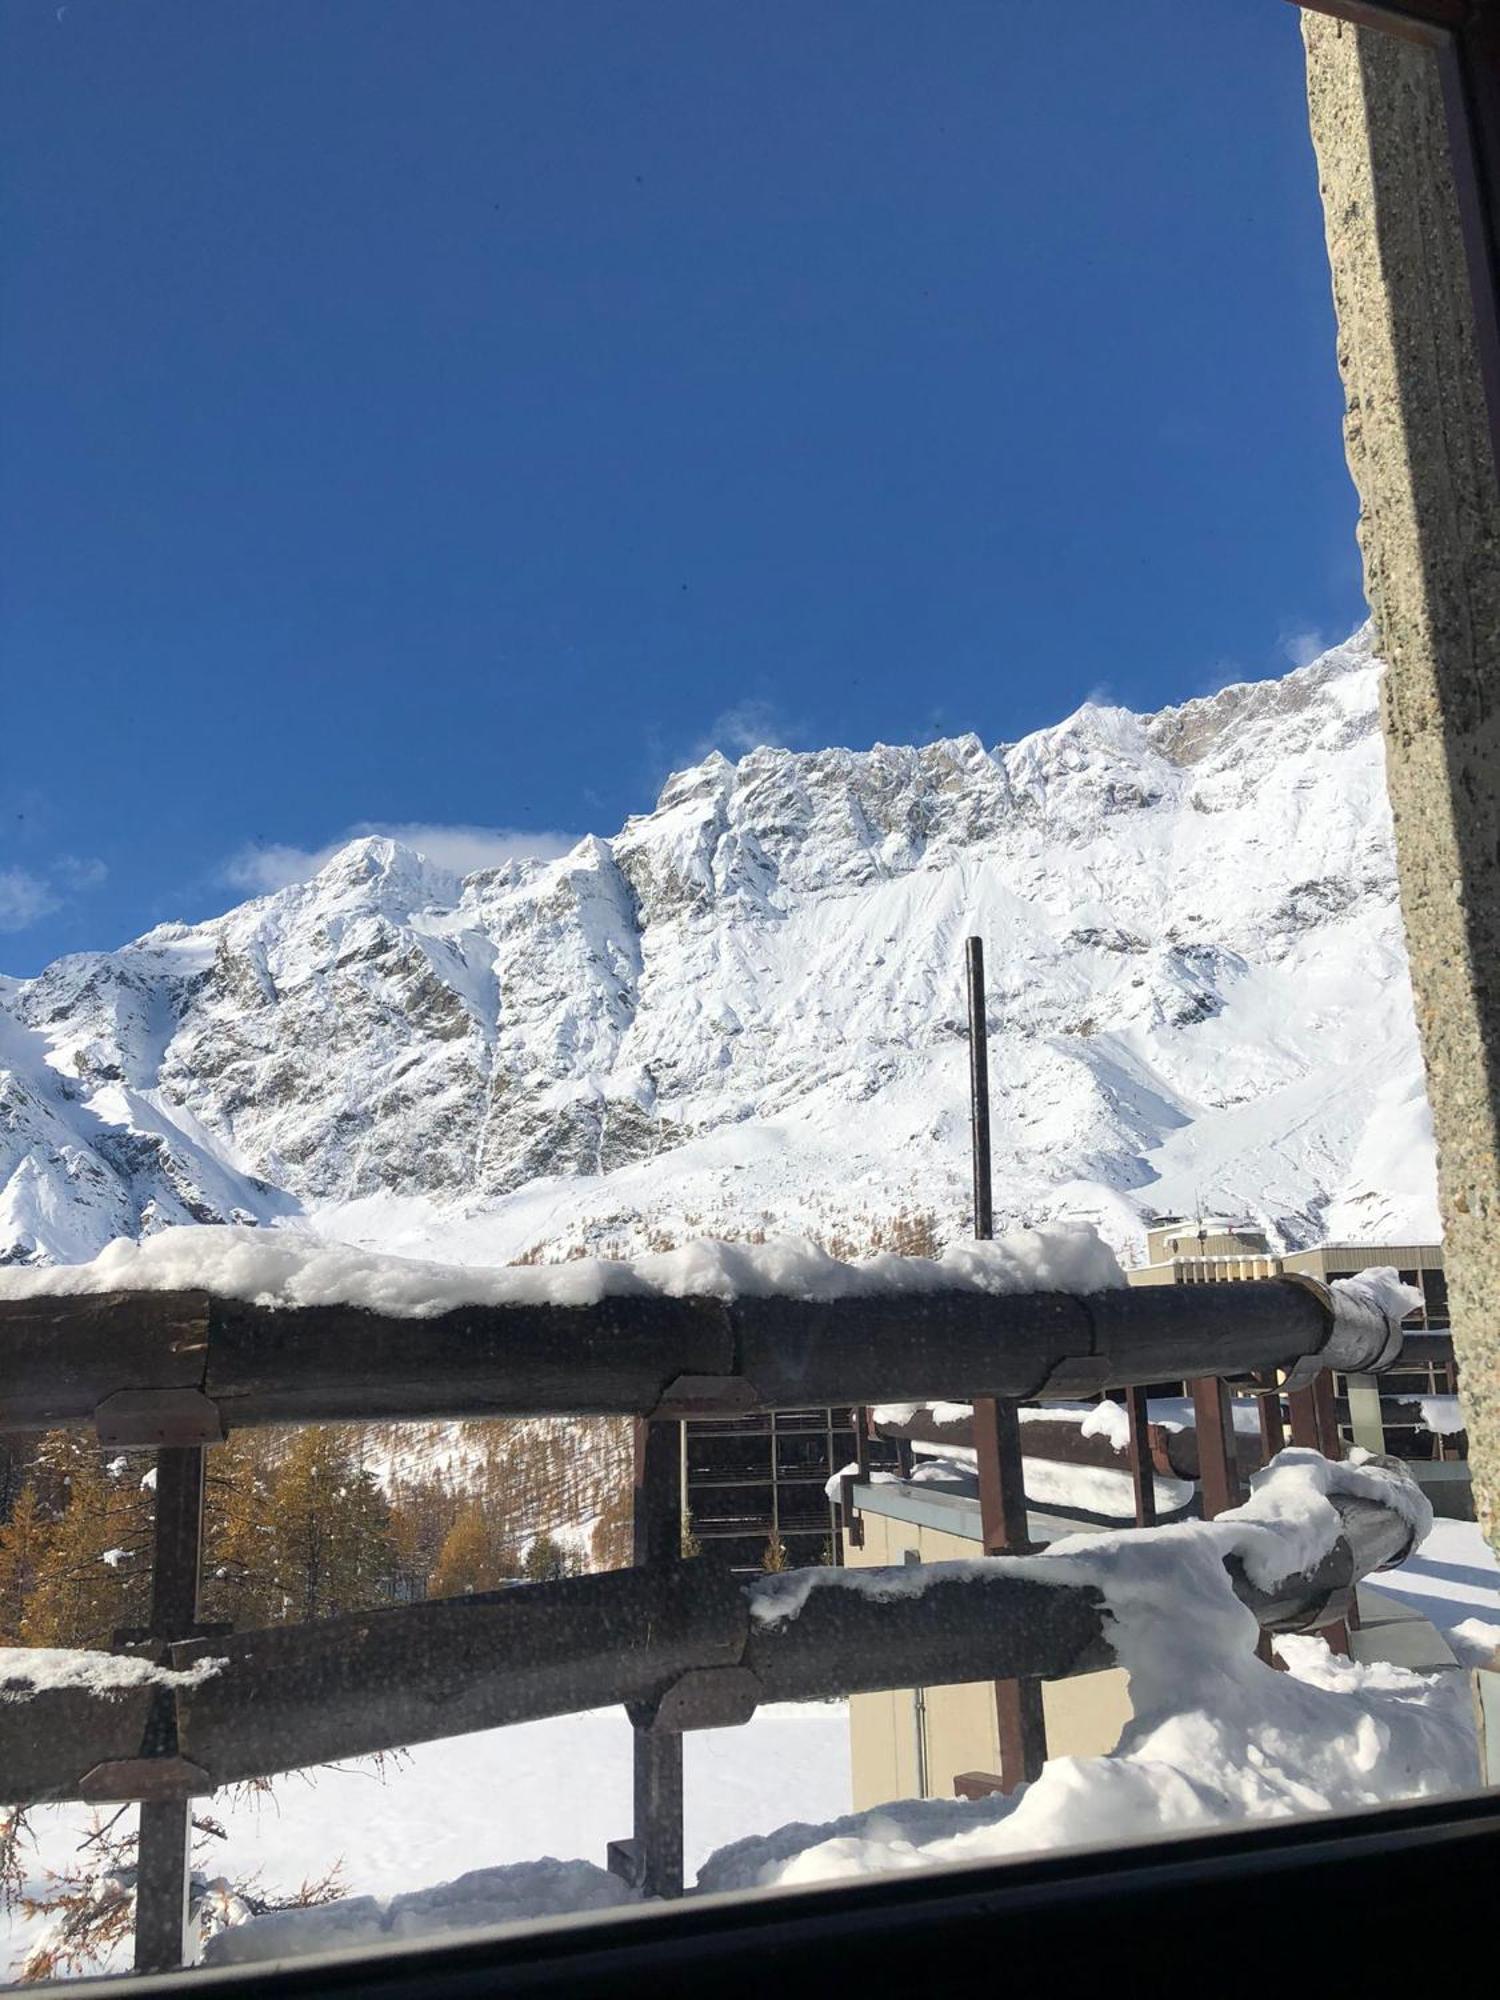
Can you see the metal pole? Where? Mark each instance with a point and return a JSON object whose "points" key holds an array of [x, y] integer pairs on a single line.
{"points": [[164, 1854], [979, 1091], [1003, 1524]]}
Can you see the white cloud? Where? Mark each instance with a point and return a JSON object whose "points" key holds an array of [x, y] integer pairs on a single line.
{"points": [[749, 725], [24, 898], [463, 849], [1304, 646], [80, 871]]}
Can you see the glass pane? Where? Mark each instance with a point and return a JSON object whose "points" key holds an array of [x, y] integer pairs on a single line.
{"points": [[698, 926]]}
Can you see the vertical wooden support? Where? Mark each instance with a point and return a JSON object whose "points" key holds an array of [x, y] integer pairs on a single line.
{"points": [[1142, 1472], [1003, 1522], [177, 1541], [1315, 1428], [1272, 1439], [163, 1875], [652, 1860], [658, 1812], [1272, 1429], [1003, 1529], [1003, 1525], [1302, 1409], [1218, 1471], [164, 1855], [1329, 1442], [657, 1526]]}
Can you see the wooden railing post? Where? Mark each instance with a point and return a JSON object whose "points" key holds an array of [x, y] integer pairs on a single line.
{"points": [[1218, 1467], [1314, 1426], [164, 1853], [1142, 1471], [1004, 1530], [1272, 1428], [651, 1860]]}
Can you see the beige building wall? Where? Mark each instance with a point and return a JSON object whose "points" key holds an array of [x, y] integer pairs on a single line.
{"points": [[1364, 1257], [1225, 1257], [955, 1726], [1167, 1240]]}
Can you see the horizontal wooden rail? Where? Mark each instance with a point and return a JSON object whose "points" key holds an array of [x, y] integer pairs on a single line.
{"points": [[1174, 1453], [183, 1368], [676, 1642]]}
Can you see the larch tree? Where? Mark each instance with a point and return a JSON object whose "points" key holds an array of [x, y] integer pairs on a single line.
{"points": [[95, 1573], [472, 1557], [25, 1540], [330, 1528]]}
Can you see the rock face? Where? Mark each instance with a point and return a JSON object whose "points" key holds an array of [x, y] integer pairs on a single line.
{"points": [[745, 1010]]}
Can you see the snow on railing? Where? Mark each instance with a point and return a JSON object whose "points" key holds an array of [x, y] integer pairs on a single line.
{"points": [[691, 1647], [194, 1332], [1215, 1733], [285, 1268]]}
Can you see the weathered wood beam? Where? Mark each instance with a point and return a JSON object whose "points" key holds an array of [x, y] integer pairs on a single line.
{"points": [[166, 1368], [678, 1641]]}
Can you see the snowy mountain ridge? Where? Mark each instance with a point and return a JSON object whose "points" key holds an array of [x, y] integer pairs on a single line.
{"points": [[744, 1011]]}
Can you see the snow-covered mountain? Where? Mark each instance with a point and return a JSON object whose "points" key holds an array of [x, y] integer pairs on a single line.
{"points": [[745, 1010]]}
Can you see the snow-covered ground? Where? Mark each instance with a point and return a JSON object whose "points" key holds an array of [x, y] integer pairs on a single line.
{"points": [[1454, 1581], [1215, 1736], [559, 1788]]}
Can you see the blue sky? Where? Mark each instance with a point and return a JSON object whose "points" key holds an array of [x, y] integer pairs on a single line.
{"points": [[457, 413]]}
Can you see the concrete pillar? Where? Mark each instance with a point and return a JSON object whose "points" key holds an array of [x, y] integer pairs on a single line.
{"points": [[1417, 437], [1366, 1423]]}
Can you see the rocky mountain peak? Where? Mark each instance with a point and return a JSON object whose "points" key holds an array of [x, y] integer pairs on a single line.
{"points": [[743, 1011]]}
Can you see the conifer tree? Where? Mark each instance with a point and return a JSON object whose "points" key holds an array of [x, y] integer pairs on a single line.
{"points": [[240, 1581], [775, 1557], [330, 1528], [472, 1558], [423, 1513], [95, 1574], [546, 1560], [24, 1544], [611, 1544]]}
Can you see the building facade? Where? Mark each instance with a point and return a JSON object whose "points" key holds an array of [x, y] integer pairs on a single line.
{"points": [[1411, 1412], [755, 1487]]}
